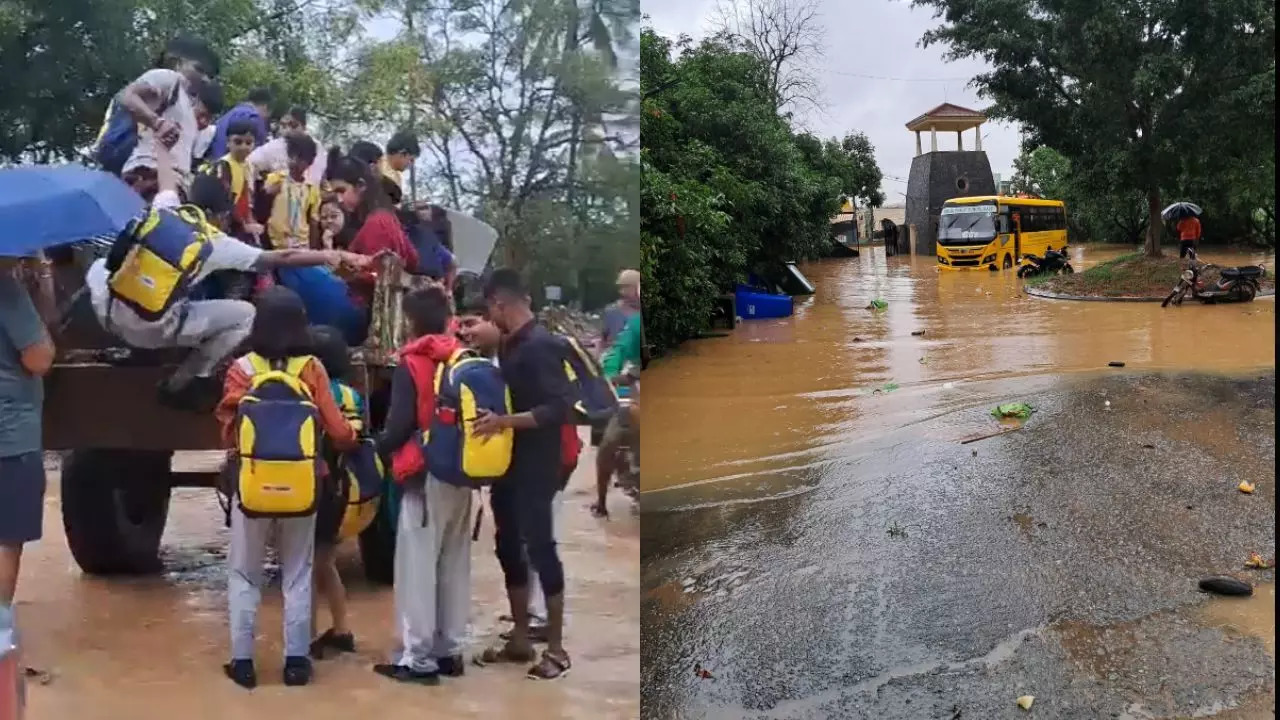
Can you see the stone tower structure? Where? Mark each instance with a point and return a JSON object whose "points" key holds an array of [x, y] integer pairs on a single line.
{"points": [[939, 175]]}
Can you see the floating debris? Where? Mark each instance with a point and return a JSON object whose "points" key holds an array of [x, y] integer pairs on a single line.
{"points": [[1021, 411], [917, 333], [878, 304], [1115, 363], [41, 677], [1026, 701], [1226, 585], [702, 672], [1246, 487]]}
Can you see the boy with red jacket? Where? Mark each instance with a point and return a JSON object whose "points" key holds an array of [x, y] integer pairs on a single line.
{"points": [[433, 540]]}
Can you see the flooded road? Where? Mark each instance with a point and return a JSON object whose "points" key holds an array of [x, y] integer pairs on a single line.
{"points": [[152, 649], [822, 549], [783, 394]]}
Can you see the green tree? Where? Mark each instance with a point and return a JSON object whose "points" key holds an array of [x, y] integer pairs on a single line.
{"points": [[64, 60], [525, 120], [728, 187], [1136, 85], [1042, 172]]}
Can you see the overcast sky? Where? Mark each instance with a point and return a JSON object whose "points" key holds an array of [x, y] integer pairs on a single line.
{"points": [[877, 38]]}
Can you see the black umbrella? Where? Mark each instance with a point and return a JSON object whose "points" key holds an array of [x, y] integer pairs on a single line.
{"points": [[1180, 210]]}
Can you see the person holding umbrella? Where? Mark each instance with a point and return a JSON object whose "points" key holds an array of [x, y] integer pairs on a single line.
{"points": [[1186, 216]]}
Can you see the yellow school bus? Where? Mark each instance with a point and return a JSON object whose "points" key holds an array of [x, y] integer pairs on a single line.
{"points": [[996, 232]]}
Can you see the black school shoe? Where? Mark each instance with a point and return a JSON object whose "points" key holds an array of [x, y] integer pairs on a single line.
{"points": [[329, 640], [199, 395], [242, 673], [297, 671], [452, 666], [401, 673]]}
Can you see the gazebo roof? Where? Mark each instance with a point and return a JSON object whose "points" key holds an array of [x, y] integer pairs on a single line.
{"points": [[948, 117]]}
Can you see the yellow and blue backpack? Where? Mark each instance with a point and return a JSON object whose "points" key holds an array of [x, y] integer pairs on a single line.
{"points": [[277, 441], [154, 264], [465, 384], [118, 136], [595, 400], [362, 478], [361, 474]]}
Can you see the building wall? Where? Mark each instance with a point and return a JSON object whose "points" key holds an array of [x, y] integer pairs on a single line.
{"points": [[937, 177]]}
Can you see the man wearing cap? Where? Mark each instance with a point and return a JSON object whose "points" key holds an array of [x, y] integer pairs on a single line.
{"points": [[620, 346]]}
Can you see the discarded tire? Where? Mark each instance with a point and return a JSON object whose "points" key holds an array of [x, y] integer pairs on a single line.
{"points": [[1222, 585]]}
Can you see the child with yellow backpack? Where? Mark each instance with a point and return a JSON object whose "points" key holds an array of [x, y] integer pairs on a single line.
{"points": [[350, 498], [277, 401]]}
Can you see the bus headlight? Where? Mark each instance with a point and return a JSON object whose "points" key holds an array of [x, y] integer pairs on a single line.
{"points": [[988, 259]]}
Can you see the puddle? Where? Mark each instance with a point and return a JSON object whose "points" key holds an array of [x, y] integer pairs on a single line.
{"points": [[1254, 615]]}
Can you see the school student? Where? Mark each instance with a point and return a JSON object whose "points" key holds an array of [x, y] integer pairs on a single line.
{"points": [[373, 223], [213, 329], [253, 112], [233, 170], [279, 344], [295, 200], [333, 224], [402, 151], [274, 156], [164, 101], [532, 360], [333, 353], [433, 540]]}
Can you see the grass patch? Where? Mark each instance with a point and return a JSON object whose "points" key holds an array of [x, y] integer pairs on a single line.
{"points": [[1133, 275]]}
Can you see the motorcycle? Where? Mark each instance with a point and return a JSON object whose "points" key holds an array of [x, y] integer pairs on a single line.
{"points": [[628, 478], [1054, 262], [1235, 284]]}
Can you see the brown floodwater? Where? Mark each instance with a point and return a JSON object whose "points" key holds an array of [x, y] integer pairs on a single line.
{"points": [[779, 395], [152, 648]]}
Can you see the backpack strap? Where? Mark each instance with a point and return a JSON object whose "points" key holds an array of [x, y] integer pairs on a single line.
{"points": [[454, 357], [171, 100]]}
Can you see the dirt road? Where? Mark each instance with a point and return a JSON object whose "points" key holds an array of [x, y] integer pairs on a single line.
{"points": [[152, 648]]}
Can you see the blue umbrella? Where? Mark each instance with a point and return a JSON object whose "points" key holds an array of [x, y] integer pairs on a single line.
{"points": [[44, 206]]}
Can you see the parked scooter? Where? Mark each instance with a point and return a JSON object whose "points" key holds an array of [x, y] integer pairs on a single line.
{"points": [[1235, 284], [1054, 262]]}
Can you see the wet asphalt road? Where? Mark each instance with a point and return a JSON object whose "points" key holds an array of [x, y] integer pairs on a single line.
{"points": [[916, 577]]}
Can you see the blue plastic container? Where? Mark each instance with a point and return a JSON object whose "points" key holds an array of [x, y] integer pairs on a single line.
{"points": [[749, 303], [325, 296]]}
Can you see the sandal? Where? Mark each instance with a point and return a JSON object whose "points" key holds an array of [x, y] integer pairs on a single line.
{"points": [[504, 654], [550, 667], [537, 634], [598, 511]]}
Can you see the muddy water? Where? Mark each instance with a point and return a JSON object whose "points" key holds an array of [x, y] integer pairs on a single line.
{"points": [[152, 648], [781, 395], [1254, 615]]}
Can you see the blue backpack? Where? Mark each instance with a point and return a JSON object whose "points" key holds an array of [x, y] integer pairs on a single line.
{"points": [[430, 250], [466, 384], [119, 134]]}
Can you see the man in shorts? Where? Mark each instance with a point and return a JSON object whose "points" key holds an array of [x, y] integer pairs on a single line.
{"points": [[26, 354]]}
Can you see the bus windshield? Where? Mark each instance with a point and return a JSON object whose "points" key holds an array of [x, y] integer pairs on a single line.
{"points": [[967, 224]]}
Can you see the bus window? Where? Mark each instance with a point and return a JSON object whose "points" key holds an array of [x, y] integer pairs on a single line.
{"points": [[967, 224]]}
